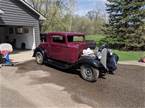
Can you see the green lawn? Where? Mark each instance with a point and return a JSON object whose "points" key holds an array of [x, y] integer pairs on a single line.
{"points": [[96, 38], [129, 55], [123, 55]]}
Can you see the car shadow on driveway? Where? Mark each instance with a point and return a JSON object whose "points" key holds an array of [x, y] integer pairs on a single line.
{"points": [[116, 91]]}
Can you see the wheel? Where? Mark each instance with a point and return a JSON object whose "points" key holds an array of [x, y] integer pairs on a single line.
{"points": [[39, 58], [89, 73]]}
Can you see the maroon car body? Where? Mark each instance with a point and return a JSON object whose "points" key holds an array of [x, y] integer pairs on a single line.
{"points": [[65, 46], [65, 50]]}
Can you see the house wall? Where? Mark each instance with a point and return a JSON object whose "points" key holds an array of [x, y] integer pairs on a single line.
{"points": [[17, 14]]}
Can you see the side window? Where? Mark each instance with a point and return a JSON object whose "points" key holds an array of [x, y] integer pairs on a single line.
{"points": [[58, 39], [75, 38]]}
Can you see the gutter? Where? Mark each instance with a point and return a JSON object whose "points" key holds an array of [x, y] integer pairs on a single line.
{"points": [[41, 17]]}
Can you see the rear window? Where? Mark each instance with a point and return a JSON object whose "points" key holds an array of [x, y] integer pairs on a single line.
{"points": [[43, 37], [58, 39]]}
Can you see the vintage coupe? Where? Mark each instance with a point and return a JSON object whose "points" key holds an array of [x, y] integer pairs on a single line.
{"points": [[68, 50]]}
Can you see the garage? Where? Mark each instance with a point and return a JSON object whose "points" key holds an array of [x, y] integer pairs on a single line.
{"points": [[19, 24], [20, 37]]}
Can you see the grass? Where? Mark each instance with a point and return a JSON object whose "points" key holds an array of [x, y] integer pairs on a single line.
{"points": [[123, 55], [129, 55], [96, 37]]}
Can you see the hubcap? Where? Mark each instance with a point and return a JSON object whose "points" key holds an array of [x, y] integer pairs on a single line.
{"points": [[88, 73]]}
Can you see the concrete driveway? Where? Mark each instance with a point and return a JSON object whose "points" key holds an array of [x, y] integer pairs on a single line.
{"points": [[19, 56], [28, 85]]}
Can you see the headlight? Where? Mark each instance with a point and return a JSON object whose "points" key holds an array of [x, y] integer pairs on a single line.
{"points": [[111, 52], [100, 56]]}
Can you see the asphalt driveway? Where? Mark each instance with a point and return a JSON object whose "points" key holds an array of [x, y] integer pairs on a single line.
{"points": [[29, 85]]}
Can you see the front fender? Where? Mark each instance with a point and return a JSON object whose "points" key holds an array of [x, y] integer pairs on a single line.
{"points": [[116, 57], [90, 61], [112, 62]]}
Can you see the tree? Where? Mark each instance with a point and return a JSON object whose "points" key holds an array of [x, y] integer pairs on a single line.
{"points": [[70, 9], [60, 17], [58, 13], [125, 28], [97, 21]]}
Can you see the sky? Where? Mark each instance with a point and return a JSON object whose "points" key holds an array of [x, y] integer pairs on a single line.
{"points": [[83, 6]]}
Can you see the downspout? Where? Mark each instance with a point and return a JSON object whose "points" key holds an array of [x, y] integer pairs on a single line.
{"points": [[34, 39]]}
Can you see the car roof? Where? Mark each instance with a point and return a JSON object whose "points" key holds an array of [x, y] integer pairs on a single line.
{"points": [[66, 33]]}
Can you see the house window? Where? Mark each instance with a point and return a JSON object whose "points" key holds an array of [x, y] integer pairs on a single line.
{"points": [[21, 30]]}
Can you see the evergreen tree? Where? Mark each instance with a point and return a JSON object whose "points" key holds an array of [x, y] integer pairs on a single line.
{"points": [[126, 23]]}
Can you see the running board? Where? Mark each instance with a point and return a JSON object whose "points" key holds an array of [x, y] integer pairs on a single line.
{"points": [[58, 64]]}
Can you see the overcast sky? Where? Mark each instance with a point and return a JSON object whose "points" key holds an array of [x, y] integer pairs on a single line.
{"points": [[83, 6]]}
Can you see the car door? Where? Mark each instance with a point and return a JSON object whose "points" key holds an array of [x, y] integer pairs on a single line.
{"points": [[58, 48]]}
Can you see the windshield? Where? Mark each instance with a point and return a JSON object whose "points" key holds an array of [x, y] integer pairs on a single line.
{"points": [[76, 38]]}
